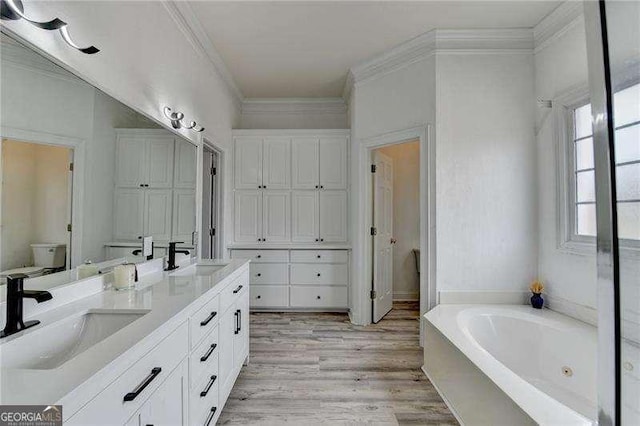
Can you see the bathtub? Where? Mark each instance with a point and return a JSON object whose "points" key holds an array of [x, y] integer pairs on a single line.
{"points": [[523, 366]]}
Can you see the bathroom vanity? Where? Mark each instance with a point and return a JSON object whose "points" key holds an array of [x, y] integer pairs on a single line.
{"points": [[166, 352]]}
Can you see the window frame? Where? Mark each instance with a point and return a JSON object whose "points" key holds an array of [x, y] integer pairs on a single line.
{"points": [[563, 108]]}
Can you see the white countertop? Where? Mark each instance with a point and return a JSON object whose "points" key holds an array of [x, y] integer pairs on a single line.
{"points": [[170, 300], [156, 244]]}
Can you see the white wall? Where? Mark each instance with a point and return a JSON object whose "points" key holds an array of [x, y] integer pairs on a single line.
{"points": [[486, 202], [390, 102], [34, 199], [406, 218], [561, 65], [293, 120]]}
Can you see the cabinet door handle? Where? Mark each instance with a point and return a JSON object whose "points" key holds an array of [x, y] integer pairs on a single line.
{"points": [[209, 352], [317, 186], [321, 239], [142, 185], [208, 319], [210, 416], [318, 297], [258, 297], [235, 326], [239, 320], [258, 256], [208, 387], [258, 274], [318, 274], [237, 289], [318, 256], [132, 395]]}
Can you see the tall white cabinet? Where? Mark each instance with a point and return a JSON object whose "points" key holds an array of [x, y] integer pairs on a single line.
{"points": [[291, 196], [155, 186]]}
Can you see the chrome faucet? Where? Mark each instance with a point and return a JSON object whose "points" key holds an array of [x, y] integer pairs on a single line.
{"points": [[15, 294], [171, 262]]}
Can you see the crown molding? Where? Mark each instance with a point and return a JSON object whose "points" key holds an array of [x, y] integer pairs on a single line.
{"points": [[441, 42], [557, 23], [294, 106], [187, 21]]}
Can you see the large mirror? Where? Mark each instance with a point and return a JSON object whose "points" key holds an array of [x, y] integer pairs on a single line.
{"points": [[85, 178]]}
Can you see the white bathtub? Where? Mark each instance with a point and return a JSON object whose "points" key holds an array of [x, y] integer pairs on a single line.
{"points": [[543, 361]]}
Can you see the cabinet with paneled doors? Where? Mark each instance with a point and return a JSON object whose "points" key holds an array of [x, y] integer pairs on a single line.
{"points": [[155, 185], [291, 186]]}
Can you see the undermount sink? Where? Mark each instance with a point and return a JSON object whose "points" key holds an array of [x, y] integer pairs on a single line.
{"points": [[197, 270], [53, 345]]}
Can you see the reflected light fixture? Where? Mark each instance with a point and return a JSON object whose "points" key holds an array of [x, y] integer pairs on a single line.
{"points": [[13, 10], [176, 118]]}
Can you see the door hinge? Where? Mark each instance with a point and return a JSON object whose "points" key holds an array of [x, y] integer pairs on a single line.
{"points": [[214, 171], [374, 168], [373, 295], [374, 231], [70, 167], [69, 227]]}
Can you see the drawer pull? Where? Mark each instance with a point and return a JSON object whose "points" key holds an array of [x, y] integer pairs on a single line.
{"points": [[318, 256], [235, 326], [132, 395], [210, 416], [318, 298], [237, 289], [208, 319], [318, 273], [209, 352], [258, 297], [208, 387], [258, 256]]}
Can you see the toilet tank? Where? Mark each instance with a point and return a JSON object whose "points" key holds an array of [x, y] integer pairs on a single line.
{"points": [[49, 255]]}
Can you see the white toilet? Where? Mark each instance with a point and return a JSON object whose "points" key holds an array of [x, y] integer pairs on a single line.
{"points": [[46, 257]]}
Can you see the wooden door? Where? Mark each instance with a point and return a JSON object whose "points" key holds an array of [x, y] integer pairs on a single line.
{"points": [[333, 163], [305, 163], [276, 163], [382, 241], [304, 216], [276, 216], [248, 216], [333, 216], [248, 163]]}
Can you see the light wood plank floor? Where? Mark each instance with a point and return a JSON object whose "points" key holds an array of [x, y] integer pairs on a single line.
{"points": [[318, 368]]}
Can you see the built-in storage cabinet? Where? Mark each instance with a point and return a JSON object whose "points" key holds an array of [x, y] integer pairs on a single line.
{"points": [[144, 161], [155, 186], [313, 166], [297, 279]]}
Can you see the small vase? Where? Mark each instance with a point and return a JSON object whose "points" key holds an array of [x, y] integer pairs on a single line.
{"points": [[537, 301]]}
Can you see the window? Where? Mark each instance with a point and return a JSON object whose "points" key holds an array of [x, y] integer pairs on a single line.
{"points": [[581, 185]]}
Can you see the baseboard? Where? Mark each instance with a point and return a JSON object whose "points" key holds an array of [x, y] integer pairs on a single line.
{"points": [[444, 398], [302, 310]]}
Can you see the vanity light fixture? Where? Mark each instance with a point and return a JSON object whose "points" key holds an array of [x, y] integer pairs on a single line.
{"points": [[176, 118], [13, 10]]}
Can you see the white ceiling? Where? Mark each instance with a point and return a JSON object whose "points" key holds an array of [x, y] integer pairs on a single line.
{"points": [[305, 49]]}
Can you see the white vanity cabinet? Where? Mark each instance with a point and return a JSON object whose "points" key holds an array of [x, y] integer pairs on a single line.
{"points": [[186, 378], [155, 186]]}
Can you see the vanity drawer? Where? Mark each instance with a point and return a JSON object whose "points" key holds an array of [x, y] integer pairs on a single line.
{"points": [[319, 297], [232, 291], [200, 406], [269, 273], [262, 256], [204, 359], [319, 256], [269, 296], [166, 356], [204, 320], [319, 274]]}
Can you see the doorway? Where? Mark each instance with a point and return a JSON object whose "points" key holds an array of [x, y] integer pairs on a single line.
{"points": [[396, 228], [36, 205], [210, 203]]}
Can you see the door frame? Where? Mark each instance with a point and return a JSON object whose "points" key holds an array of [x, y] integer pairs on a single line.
{"points": [[361, 306], [220, 182], [77, 147]]}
